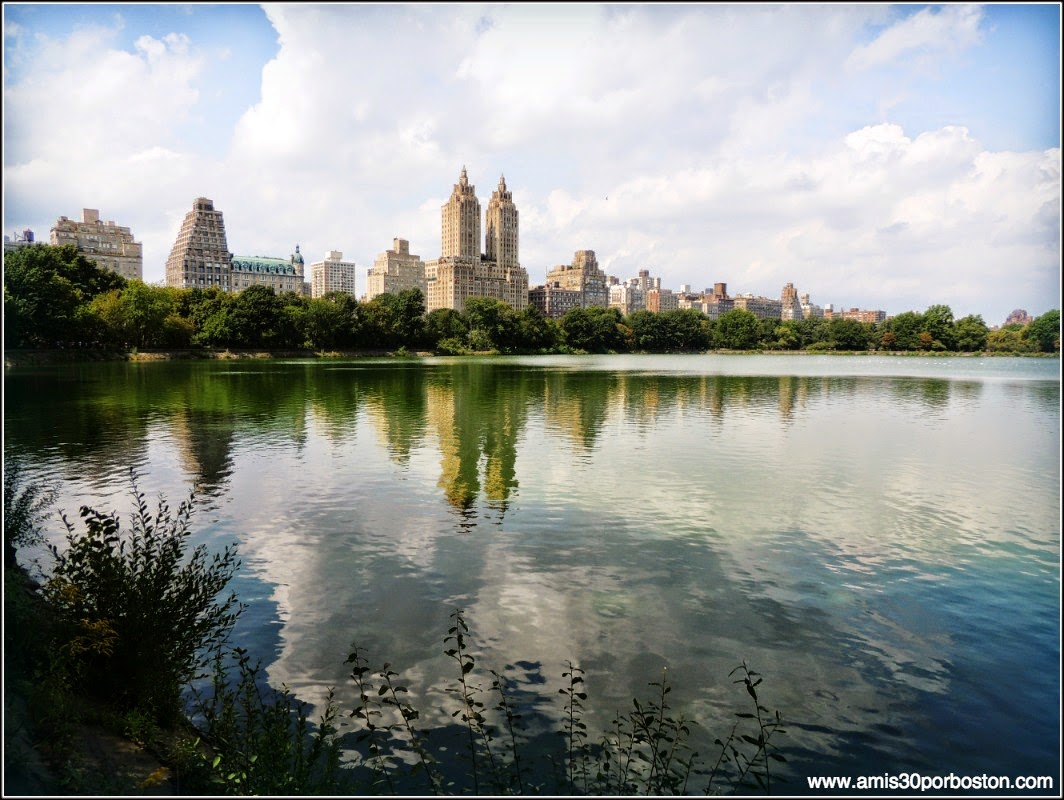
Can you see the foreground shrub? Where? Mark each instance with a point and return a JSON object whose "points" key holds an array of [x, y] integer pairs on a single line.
{"points": [[646, 751], [140, 620], [24, 507]]}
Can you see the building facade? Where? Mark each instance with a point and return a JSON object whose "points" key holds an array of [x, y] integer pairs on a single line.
{"points": [[200, 257], [864, 315], [277, 273], [790, 304], [760, 307], [461, 271], [110, 246], [578, 285], [332, 274], [396, 270], [554, 300]]}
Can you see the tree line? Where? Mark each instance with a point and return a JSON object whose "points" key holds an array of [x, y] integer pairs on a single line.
{"points": [[56, 297]]}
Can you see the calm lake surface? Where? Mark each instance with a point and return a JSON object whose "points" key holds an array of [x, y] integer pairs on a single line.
{"points": [[878, 537]]}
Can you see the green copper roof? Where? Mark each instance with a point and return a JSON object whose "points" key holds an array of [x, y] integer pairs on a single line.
{"points": [[261, 264]]}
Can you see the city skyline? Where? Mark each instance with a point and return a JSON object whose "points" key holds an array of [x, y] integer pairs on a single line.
{"points": [[886, 157]]}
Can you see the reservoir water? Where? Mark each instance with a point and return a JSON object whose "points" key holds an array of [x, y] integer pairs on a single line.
{"points": [[879, 537]]}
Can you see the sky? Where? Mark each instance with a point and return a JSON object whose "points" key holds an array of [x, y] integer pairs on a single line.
{"points": [[885, 157]]}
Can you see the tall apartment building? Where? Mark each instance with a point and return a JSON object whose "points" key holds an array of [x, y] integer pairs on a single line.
{"points": [[276, 273], [628, 296], [760, 307], [810, 310], [332, 274], [578, 285], [395, 270], [200, 256], [110, 246], [790, 304], [461, 271], [659, 300]]}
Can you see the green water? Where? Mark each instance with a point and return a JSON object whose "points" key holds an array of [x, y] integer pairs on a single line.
{"points": [[879, 537]]}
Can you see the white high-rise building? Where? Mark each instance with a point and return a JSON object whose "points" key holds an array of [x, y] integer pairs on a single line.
{"points": [[332, 274]]}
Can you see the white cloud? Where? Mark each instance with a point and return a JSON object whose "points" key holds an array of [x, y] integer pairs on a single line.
{"points": [[705, 143], [948, 29]]}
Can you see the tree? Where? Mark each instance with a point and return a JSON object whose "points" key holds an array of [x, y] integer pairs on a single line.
{"points": [[738, 329], [649, 331], [1044, 332], [906, 328], [689, 329], [970, 334], [849, 334], [535, 332], [444, 323], [938, 321], [44, 288], [492, 324], [594, 330]]}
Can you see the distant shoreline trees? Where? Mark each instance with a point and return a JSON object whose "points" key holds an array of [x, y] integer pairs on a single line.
{"points": [[54, 297]]}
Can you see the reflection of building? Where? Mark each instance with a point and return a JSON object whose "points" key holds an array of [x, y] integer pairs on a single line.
{"points": [[200, 256], [395, 270], [277, 273], [478, 417], [461, 272], [332, 274], [110, 246], [204, 441]]}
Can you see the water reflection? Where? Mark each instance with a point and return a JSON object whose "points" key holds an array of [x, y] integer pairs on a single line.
{"points": [[884, 548]]}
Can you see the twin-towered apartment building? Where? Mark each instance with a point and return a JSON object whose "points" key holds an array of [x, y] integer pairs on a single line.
{"points": [[200, 258]]}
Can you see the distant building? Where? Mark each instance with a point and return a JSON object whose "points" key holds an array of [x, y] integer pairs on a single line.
{"points": [[461, 271], [628, 296], [810, 310], [715, 302], [332, 274], [17, 240], [396, 270], [110, 246], [277, 273], [200, 257], [1019, 316], [860, 315], [790, 305], [760, 307], [659, 300], [555, 301], [578, 285]]}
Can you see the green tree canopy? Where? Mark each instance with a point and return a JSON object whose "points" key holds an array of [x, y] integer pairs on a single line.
{"points": [[45, 288], [594, 330], [738, 329], [1044, 332], [970, 334]]}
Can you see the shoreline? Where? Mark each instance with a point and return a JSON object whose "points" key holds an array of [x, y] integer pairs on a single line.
{"points": [[39, 357]]}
